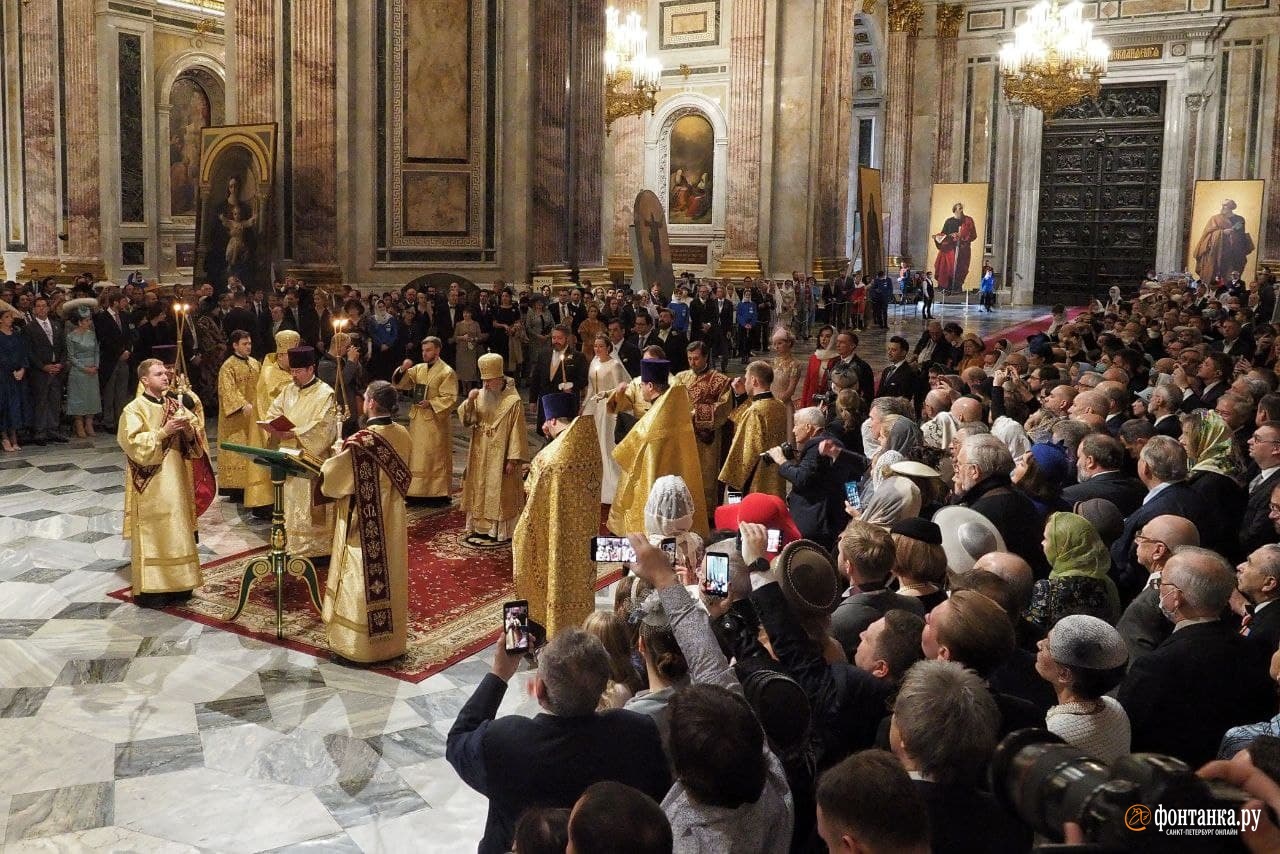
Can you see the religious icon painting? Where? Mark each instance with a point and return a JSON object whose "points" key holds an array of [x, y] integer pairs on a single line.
{"points": [[871, 216], [1226, 224], [691, 180], [235, 235], [651, 246], [957, 234]]}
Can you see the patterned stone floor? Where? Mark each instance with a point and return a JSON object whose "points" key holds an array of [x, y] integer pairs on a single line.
{"points": [[123, 729]]}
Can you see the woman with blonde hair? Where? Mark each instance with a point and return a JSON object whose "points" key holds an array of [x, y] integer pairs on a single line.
{"points": [[787, 372], [624, 681]]}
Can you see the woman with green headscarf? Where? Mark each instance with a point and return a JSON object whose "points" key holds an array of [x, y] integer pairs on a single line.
{"points": [[1214, 476], [1079, 580]]}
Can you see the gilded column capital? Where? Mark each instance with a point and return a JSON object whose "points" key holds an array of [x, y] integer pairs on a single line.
{"points": [[905, 16], [950, 15]]}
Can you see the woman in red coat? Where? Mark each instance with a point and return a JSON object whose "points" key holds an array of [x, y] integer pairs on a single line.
{"points": [[815, 377]]}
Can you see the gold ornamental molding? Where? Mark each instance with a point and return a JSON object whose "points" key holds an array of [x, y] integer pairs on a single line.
{"points": [[950, 16], [828, 268], [905, 16], [739, 268]]}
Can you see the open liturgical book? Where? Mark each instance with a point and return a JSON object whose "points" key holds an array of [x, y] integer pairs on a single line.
{"points": [[308, 461], [279, 424], [419, 393]]}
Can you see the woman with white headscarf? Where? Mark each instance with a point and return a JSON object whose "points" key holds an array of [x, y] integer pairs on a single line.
{"points": [[668, 512], [895, 499]]}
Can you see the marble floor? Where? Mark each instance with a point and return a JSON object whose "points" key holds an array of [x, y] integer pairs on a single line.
{"points": [[123, 729]]}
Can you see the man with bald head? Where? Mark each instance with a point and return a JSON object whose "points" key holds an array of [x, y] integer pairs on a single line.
{"points": [[1204, 678], [1142, 625], [967, 410], [1086, 402], [1017, 573]]}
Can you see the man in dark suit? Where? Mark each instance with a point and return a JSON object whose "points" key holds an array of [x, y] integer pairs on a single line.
{"points": [[817, 482], [1215, 371], [260, 329], [1142, 627], [1162, 468], [625, 351], [847, 360], [699, 313], [115, 344], [900, 378], [1236, 343], [865, 555], [1258, 580], [1256, 528], [1185, 694], [982, 483], [239, 317], [933, 347], [1163, 406], [549, 760], [561, 368], [720, 326], [1099, 460], [673, 343], [47, 344]]}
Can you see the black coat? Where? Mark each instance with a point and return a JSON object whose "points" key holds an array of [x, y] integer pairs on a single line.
{"points": [[629, 354], [1184, 695], [1263, 631], [852, 616], [1171, 427], [43, 351], [1177, 499], [548, 760], [573, 369], [1142, 626], [1222, 503], [866, 384], [1256, 528], [676, 347], [901, 382], [965, 819], [817, 494], [1015, 517], [943, 353], [1125, 492], [114, 337]]}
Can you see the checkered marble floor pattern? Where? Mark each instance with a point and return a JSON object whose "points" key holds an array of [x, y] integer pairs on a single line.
{"points": [[123, 729]]}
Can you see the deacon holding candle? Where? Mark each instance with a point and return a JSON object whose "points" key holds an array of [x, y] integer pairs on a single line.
{"points": [[304, 416]]}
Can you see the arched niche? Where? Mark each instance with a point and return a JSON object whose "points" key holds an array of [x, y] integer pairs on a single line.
{"points": [[191, 96], [685, 134], [867, 145]]}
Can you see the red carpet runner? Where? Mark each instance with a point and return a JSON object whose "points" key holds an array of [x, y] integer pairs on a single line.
{"points": [[455, 596]]}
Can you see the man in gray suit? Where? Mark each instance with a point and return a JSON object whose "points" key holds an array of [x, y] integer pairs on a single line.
{"points": [[1142, 625], [47, 343]]}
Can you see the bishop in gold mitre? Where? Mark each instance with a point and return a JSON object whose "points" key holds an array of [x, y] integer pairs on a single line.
{"points": [[158, 437], [310, 405], [759, 423], [434, 387], [366, 595], [712, 401], [552, 566], [272, 380], [237, 417], [492, 490], [662, 442]]}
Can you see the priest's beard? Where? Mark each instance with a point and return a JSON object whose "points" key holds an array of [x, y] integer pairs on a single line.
{"points": [[488, 400]]}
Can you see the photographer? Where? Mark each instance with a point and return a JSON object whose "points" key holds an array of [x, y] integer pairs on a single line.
{"points": [[817, 482]]}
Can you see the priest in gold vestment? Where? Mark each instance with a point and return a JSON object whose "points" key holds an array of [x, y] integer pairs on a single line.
{"points": [[272, 380], [492, 490], [435, 394], [712, 400], [629, 397], [237, 422], [551, 563], [311, 406], [759, 423], [662, 442], [158, 437], [366, 595]]}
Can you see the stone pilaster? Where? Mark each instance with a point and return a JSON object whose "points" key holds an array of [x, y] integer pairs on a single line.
{"points": [[1271, 246], [255, 48], [39, 112], [1194, 102], [1016, 113], [904, 27], [83, 202], [746, 94], [550, 60], [314, 155], [587, 151], [836, 120], [626, 143], [950, 16]]}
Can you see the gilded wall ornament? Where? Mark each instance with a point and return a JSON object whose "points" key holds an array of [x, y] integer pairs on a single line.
{"points": [[950, 16], [905, 16]]}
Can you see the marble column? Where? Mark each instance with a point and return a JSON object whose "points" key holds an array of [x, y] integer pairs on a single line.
{"points": [[587, 149], [626, 146], [904, 27], [746, 95], [836, 120], [950, 16], [1194, 102], [255, 49], [550, 61], [1016, 114], [1270, 250], [80, 135], [313, 76], [39, 103]]}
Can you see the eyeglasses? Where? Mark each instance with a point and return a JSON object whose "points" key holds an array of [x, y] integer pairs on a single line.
{"points": [[1164, 583], [1264, 441], [1139, 538]]}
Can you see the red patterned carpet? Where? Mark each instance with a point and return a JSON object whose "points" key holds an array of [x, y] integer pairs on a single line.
{"points": [[456, 593]]}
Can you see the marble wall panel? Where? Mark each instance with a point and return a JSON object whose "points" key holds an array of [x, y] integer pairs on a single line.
{"points": [[39, 102], [132, 181], [1238, 111], [982, 118], [1136, 8], [437, 102], [80, 129], [436, 203], [255, 77], [314, 150], [11, 72]]}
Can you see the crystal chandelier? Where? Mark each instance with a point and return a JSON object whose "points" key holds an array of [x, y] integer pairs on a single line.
{"points": [[631, 77], [1054, 61]]}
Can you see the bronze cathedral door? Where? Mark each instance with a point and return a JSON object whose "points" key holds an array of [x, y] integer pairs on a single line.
{"points": [[1100, 194]]}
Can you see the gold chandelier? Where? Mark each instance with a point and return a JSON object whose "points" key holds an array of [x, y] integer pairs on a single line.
{"points": [[631, 78], [1054, 61]]}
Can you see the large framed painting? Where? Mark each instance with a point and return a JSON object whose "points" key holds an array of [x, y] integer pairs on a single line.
{"points": [[1226, 222], [691, 183], [871, 217], [652, 248], [235, 229], [957, 224]]}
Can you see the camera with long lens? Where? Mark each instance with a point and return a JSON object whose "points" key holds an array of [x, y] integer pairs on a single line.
{"points": [[788, 453], [1046, 783]]}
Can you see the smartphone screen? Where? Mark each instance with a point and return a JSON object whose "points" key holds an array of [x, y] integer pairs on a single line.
{"points": [[716, 581], [613, 550], [773, 543], [668, 546], [515, 625], [732, 496], [852, 495]]}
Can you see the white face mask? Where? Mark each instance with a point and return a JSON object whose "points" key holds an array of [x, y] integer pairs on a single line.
{"points": [[1168, 614]]}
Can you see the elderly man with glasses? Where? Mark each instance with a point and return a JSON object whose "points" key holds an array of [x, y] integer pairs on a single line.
{"points": [[1143, 626], [1257, 527]]}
